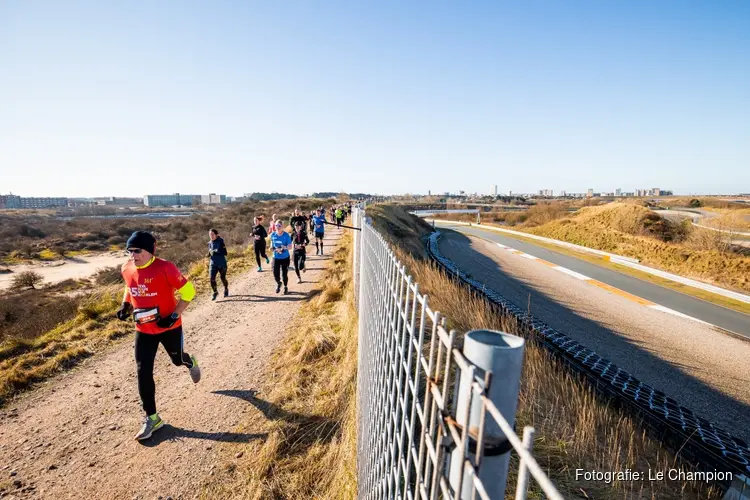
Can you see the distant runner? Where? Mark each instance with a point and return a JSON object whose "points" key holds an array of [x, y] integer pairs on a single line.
{"points": [[339, 216], [259, 242], [300, 241], [280, 243], [150, 286], [297, 217], [319, 222], [217, 253]]}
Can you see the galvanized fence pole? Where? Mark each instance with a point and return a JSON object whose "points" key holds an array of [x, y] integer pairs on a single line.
{"points": [[501, 355]]}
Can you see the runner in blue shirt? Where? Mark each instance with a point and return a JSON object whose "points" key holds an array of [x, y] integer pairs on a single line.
{"points": [[319, 223], [281, 242]]}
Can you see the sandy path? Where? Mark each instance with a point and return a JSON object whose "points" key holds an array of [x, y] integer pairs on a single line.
{"points": [[73, 438], [704, 369], [57, 271]]}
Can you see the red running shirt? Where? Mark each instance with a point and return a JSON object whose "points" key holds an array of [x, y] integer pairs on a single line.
{"points": [[153, 285]]}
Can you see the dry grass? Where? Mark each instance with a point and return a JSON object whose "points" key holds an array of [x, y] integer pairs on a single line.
{"points": [[24, 362], [622, 228], [574, 428], [310, 449], [730, 219]]}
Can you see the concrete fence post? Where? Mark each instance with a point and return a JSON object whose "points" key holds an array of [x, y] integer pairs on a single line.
{"points": [[502, 355]]}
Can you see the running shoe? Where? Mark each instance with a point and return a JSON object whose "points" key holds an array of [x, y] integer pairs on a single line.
{"points": [[260, 269], [286, 291], [226, 292], [216, 294], [278, 288], [195, 370], [267, 261], [299, 280], [150, 425]]}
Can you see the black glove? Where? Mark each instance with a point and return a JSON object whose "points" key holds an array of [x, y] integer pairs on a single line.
{"points": [[168, 322], [124, 311]]}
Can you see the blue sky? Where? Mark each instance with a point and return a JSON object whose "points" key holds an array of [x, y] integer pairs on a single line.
{"points": [[129, 98]]}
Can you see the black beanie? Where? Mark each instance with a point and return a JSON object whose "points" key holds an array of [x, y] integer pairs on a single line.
{"points": [[143, 240]]}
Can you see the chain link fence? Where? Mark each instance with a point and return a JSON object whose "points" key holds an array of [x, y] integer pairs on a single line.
{"points": [[413, 437]]}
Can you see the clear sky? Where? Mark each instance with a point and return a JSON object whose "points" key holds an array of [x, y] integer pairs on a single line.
{"points": [[135, 97]]}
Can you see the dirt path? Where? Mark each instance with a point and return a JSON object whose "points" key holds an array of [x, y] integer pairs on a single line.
{"points": [[73, 438], [57, 271]]}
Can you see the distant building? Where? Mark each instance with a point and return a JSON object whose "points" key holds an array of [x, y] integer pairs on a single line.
{"points": [[10, 201], [590, 193], [112, 200], [43, 202], [563, 194], [213, 199], [618, 192], [656, 192], [171, 200], [494, 190]]}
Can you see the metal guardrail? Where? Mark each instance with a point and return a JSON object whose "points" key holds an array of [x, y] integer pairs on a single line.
{"points": [[696, 439], [410, 370]]}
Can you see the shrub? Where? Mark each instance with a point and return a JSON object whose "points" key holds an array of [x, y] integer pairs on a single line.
{"points": [[26, 279], [108, 276], [695, 203]]}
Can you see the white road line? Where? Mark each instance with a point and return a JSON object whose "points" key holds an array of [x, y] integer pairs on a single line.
{"points": [[572, 273], [676, 313], [583, 277]]}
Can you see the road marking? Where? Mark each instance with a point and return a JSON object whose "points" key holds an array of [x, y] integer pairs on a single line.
{"points": [[568, 271], [676, 313], [621, 293], [603, 286]]}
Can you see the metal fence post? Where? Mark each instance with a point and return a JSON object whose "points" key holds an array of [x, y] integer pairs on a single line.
{"points": [[502, 355], [523, 471]]}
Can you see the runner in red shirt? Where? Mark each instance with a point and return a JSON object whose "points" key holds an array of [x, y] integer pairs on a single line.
{"points": [[150, 287]]}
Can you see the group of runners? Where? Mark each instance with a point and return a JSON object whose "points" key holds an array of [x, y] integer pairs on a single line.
{"points": [[153, 284]]}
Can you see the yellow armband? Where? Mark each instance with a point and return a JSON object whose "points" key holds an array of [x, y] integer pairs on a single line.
{"points": [[187, 292]]}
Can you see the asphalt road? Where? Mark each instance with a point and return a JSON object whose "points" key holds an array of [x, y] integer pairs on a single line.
{"points": [[722, 317], [700, 366]]}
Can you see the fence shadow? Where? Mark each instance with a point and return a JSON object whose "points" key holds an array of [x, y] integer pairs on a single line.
{"points": [[303, 430]]}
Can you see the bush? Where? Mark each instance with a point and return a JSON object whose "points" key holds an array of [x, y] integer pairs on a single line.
{"points": [[26, 279], [695, 203], [29, 314], [108, 276]]}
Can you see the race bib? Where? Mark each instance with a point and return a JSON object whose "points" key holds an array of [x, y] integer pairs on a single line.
{"points": [[142, 316]]}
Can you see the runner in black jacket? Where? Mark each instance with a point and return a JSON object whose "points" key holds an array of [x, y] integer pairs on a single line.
{"points": [[300, 241], [259, 242]]}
